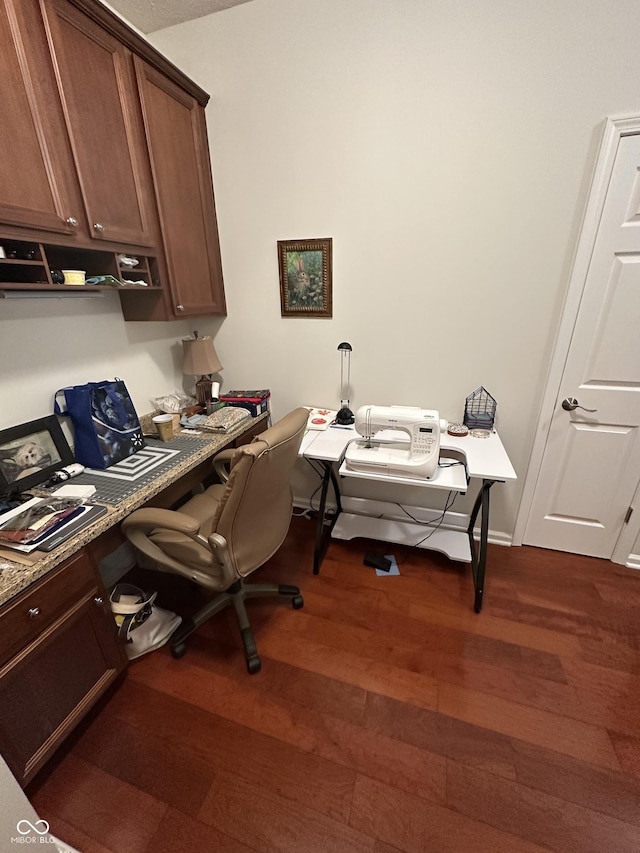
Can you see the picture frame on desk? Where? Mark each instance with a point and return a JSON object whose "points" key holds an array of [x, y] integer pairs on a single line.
{"points": [[31, 453], [305, 268]]}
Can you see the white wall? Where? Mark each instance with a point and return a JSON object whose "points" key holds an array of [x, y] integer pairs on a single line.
{"points": [[447, 148], [46, 344]]}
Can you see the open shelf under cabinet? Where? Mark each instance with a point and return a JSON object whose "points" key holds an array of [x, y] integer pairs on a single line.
{"points": [[32, 266]]}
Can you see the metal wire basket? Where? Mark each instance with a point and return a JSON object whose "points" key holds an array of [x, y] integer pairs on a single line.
{"points": [[480, 410]]}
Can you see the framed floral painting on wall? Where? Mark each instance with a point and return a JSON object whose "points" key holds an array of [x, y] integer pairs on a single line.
{"points": [[305, 277]]}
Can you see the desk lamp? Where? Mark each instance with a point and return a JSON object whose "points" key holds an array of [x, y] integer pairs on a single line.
{"points": [[200, 358], [345, 415]]}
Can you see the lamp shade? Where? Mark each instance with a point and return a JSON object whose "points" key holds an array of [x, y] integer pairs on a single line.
{"points": [[200, 357]]}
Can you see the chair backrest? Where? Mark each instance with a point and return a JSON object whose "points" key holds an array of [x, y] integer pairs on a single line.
{"points": [[254, 512], [247, 518]]}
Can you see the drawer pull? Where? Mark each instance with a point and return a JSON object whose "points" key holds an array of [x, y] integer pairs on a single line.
{"points": [[33, 612], [98, 600]]}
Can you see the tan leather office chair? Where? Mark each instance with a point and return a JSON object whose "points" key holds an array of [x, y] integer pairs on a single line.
{"points": [[228, 531]]}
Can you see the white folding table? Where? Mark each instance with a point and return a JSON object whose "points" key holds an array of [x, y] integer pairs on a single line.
{"points": [[483, 459]]}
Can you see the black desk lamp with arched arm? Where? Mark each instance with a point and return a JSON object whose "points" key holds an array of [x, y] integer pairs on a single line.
{"points": [[345, 415]]}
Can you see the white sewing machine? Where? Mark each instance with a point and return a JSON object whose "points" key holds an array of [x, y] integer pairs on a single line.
{"points": [[391, 453]]}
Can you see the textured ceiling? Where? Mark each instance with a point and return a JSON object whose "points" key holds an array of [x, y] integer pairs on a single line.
{"points": [[151, 15]]}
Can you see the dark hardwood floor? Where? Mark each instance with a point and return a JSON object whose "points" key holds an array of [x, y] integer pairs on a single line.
{"points": [[388, 716]]}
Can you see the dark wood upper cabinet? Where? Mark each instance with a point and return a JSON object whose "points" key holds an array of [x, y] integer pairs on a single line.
{"points": [[176, 138], [38, 183], [97, 90], [104, 149]]}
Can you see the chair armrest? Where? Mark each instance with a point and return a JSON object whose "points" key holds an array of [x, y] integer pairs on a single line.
{"points": [[222, 463], [220, 548], [167, 519], [141, 523]]}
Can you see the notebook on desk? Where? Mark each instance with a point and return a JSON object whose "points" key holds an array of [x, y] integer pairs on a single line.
{"points": [[86, 514], [91, 513]]}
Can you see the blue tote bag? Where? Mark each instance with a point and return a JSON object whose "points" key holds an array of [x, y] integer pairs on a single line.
{"points": [[106, 426]]}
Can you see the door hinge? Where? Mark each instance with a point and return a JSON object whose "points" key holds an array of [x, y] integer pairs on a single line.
{"points": [[628, 515]]}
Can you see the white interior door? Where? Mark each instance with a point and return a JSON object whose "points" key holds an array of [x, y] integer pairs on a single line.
{"points": [[590, 466]]}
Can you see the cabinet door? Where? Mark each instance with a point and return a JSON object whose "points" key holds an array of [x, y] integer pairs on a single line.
{"points": [[58, 673], [38, 185], [98, 94], [176, 137]]}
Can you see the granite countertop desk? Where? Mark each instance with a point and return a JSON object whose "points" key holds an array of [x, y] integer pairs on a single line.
{"points": [[16, 577]]}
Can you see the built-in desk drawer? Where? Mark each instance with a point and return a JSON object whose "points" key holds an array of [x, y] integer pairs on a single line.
{"points": [[66, 654], [30, 612]]}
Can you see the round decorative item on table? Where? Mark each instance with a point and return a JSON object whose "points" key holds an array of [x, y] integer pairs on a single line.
{"points": [[480, 433], [458, 430]]}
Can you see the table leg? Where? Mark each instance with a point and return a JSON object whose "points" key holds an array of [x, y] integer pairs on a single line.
{"points": [[336, 490], [323, 532], [479, 554]]}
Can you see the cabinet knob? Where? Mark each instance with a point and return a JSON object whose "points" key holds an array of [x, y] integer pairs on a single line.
{"points": [[97, 226], [98, 600], [33, 612], [72, 221], [179, 307]]}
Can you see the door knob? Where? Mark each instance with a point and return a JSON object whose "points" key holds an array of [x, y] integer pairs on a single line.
{"points": [[570, 403]]}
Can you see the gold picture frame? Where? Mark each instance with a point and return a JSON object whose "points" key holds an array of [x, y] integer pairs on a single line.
{"points": [[305, 268]]}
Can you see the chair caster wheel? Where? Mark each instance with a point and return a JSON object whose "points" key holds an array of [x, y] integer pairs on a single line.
{"points": [[297, 602], [178, 651], [254, 665]]}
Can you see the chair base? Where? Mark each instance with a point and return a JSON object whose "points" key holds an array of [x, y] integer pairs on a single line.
{"points": [[235, 596]]}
